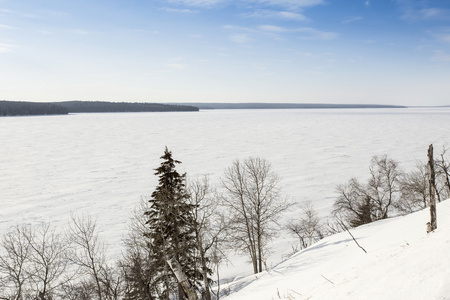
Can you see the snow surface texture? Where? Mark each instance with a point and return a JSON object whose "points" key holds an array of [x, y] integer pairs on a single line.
{"points": [[402, 262], [102, 164]]}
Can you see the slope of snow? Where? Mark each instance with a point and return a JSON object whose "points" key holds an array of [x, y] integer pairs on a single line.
{"points": [[402, 262]]}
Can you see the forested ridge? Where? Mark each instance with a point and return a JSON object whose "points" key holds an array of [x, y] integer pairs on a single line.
{"points": [[100, 106], [22, 108], [19, 108], [285, 105]]}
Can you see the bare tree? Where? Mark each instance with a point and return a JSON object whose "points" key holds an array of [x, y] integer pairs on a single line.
{"points": [[359, 204], [308, 227], [138, 269], [383, 187], [209, 226], [353, 205], [90, 252], [48, 260], [414, 190], [14, 259], [442, 169], [90, 256], [255, 203]]}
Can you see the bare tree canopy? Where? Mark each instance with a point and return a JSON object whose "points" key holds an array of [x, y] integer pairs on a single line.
{"points": [[308, 227], [359, 204], [252, 194], [209, 227], [414, 190]]}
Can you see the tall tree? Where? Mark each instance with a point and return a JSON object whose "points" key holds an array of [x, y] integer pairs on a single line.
{"points": [[253, 196], [210, 227], [170, 229]]}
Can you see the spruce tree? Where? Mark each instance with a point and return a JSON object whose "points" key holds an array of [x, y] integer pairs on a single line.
{"points": [[171, 229]]}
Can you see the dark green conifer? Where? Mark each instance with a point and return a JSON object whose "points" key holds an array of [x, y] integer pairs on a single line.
{"points": [[171, 229]]}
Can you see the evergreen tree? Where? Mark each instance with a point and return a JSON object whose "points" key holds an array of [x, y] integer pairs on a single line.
{"points": [[364, 213], [171, 229]]}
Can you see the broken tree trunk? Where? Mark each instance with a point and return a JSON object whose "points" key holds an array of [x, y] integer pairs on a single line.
{"points": [[432, 189], [182, 279]]}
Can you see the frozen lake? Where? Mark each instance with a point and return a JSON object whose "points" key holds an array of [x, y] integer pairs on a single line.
{"points": [[102, 164]]}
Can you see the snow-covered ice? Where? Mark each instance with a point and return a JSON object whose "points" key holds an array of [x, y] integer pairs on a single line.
{"points": [[102, 164]]}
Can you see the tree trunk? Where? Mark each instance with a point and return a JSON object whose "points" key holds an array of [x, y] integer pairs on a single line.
{"points": [[182, 280], [432, 188], [446, 172], [201, 250]]}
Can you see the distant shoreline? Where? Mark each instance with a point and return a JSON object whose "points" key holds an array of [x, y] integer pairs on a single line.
{"points": [[23, 108], [209, 106]]}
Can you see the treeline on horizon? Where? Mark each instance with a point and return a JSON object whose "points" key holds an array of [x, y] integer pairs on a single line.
{"points": [[18, 108], [21, 108], [285, 105]]}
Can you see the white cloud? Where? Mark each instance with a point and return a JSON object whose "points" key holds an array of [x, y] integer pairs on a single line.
{"points": [[273, 29], [259, 67], [4, 11], [434, 14], [5, 48], [3, 26], [240, 38], [291, 4], [147, 31], [80, 31], [351, 20], [178, 11], [306, 32], [367, 3], [440, 56], [177, 66], [238, 28], [45, 32], [441, 35], [314, 34], [202, 3], [417, 11], [291, 16], [286, 15]]}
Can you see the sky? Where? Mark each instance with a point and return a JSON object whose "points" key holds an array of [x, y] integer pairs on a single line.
{"points": [[285, 51]]}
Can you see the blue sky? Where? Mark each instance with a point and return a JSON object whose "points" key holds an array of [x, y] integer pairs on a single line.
{"points": [[303, 51]]}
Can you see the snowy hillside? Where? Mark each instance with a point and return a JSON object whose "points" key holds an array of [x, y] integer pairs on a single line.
{"points": [[402, 262]]}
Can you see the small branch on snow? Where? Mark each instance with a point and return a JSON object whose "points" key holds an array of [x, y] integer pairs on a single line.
{"points": [[294, 292], [327, 279], [345, 228]]}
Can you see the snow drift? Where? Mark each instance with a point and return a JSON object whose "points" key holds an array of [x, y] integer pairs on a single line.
{"points": [[402, 262]]}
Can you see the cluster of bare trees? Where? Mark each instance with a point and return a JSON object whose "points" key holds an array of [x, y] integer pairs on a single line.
{"points": [[390, 190], [41, 263], [242, 214], [359, 203], [308, 228]]}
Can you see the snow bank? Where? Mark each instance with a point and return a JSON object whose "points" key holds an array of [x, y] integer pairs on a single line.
{"points": [[402, 262]]}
